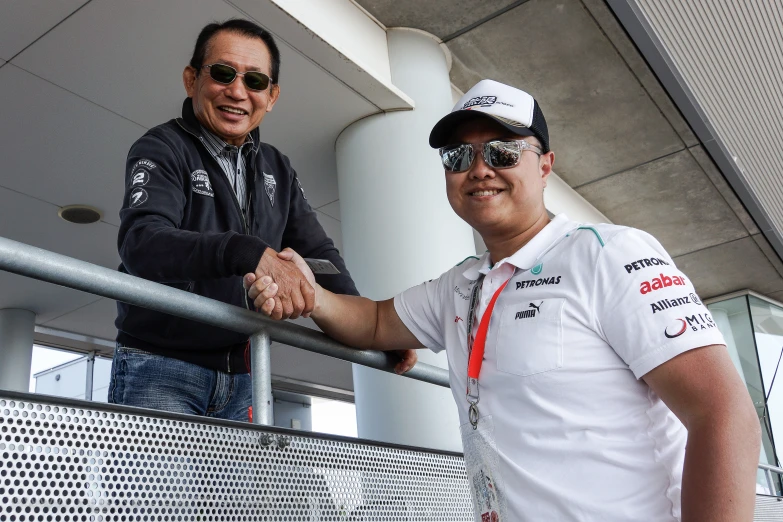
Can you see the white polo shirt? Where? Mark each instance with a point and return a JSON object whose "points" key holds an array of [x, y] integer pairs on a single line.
{"points": [[589, 310]]}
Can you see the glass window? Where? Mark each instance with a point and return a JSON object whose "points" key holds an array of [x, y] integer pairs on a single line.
{"points": [[768, 334]]}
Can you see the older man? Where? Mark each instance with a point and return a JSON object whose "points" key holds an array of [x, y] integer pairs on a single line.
{"points": [[206, 202], [583, 395]]}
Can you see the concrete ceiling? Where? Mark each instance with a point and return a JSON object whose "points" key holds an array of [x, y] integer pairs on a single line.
{"points": [[80, 82], [618, 138]]}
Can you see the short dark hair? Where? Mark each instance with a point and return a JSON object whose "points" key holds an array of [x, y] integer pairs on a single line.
{"points": [[238, 26]]}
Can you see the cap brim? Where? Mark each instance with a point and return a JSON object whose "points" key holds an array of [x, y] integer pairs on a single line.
{"points": [[441, 132]]}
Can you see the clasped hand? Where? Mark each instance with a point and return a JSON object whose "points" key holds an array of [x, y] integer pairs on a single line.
{"points": [[283, 286], [277, 296]]}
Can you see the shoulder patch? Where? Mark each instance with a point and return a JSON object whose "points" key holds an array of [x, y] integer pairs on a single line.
{"points": [[144, 164], [139, 178], [138, 197]]}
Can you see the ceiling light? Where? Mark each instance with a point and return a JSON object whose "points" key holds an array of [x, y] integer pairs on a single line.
{"points": [[79, 214]]}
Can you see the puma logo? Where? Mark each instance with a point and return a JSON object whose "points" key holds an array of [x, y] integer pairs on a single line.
{"points": [[524, 314]]}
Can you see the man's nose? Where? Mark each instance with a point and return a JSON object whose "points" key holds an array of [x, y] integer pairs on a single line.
{"points": [[237, 89], [480, 169]]}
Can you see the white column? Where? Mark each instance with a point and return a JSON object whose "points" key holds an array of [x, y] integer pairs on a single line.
{"points": [[399, 231], [16, 348]]}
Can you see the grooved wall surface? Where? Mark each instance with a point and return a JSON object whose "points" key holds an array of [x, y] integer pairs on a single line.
{"points": [[730, 54]]}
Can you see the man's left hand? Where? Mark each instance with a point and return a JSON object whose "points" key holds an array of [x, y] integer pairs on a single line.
{"points": [[407, 362]]}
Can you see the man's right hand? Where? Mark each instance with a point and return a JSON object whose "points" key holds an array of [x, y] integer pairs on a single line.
{"points": [[294, 295]]}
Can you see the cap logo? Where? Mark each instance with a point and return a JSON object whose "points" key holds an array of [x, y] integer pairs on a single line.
{"points": [[483, 101]]}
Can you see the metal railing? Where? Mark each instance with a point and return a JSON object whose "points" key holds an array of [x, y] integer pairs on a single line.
{"points": [[37, 263], [771, 482]]}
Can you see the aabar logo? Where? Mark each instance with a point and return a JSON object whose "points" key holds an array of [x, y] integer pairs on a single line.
{"points": [[661, 282], [458, 319]]}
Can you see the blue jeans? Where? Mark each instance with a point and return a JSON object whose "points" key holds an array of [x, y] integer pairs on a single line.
{"points": [[147, 380]]}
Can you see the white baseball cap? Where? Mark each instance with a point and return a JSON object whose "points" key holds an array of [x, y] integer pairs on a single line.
{"points": [[512, 108]]}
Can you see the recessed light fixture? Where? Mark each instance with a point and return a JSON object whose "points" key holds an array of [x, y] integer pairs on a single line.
{"points": [[79, 214]]}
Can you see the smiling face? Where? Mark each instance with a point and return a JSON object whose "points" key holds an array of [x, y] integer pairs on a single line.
{"points": [[231, 111], [498, 202]]}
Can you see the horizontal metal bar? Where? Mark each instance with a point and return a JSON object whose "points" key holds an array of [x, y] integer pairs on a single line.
{"points": [[37, 263], [767, 467]]}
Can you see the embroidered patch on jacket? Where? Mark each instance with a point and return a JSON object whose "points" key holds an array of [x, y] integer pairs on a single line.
{"points": [[138, 197], [270, 185], [200, 183], [140, 173], [300, 187], [140, 178]]}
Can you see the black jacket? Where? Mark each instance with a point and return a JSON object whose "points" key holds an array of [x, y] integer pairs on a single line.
{"points": [[181, 225]]}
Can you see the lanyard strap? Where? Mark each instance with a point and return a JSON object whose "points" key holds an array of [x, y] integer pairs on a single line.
{"points": [[476, 348]]}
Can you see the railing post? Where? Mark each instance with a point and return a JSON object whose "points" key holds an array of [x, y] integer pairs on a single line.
{"points": [[771, 482], [261, 372], [89, 377]]}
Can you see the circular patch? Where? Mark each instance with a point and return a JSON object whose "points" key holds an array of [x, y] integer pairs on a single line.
{"points": [[138, 197], [140, 178], [695, 299]]}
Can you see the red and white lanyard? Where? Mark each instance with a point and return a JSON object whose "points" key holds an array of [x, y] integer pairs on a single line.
{"points": [[476, 348]]}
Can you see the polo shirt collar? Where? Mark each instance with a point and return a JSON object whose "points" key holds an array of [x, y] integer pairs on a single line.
{"points": [[527, 256]]}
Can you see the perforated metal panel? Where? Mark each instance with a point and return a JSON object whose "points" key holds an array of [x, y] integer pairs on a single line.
{"points": [[76, 463]]}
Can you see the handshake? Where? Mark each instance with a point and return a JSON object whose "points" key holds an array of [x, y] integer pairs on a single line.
{"points": [[283, 286]]}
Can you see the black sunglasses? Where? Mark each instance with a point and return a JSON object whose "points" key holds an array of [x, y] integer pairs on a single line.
{"points": [[225, 74], [498, 154]]}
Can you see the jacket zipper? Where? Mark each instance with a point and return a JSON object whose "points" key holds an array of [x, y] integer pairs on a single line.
{"points": [[245, 228]]}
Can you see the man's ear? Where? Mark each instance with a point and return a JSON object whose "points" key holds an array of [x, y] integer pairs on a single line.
{"points": [[189, 80], [274, 94], [546, 162]]}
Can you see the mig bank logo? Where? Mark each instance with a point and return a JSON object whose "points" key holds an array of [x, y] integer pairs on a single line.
{"points": [[695, 322]]}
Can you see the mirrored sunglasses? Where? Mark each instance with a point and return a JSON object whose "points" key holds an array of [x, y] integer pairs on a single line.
{"points": [[498, 154]]}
